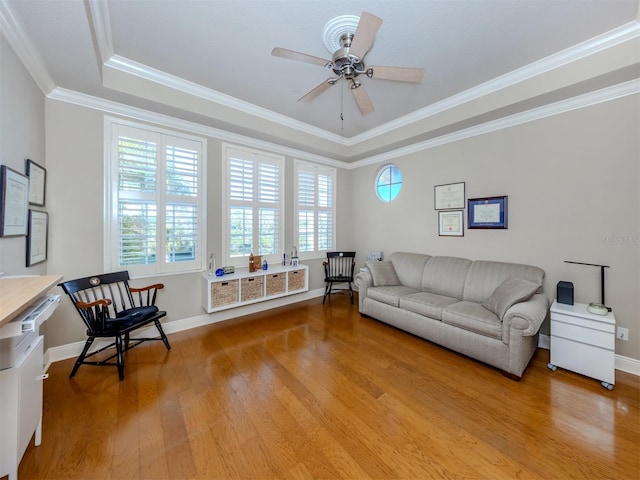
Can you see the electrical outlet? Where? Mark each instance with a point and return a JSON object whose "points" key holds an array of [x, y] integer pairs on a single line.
{"points": [[622, 333]]}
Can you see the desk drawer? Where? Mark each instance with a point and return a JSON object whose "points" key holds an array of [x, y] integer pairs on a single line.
{"points": [[586, 335]]}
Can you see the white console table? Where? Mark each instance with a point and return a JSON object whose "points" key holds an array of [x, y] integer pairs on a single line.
{"points": [[583, 342], [244, 287], [22, 309]]}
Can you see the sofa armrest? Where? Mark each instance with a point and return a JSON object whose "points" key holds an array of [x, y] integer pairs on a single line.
{"points": [[528, 316], [363, 280]]}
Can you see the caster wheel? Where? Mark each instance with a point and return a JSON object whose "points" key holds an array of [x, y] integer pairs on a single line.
{"points": [[552, 367], [607, 385]]}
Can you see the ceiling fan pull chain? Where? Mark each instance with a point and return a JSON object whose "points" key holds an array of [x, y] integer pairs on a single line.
{"points": [[341, 109]]}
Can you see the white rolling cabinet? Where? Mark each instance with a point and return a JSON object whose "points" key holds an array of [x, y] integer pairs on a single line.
{"points": [[20, 407], [583, 342]]}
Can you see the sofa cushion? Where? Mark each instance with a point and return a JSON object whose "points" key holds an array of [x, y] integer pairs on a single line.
{"points": [[425, 303], [409, 267], [446, 276], [485, 276], [382, 273], [473, 317], [389, 294], [508, 293]]}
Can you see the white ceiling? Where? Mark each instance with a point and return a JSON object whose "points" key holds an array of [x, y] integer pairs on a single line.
{"points": [[210, 61]]}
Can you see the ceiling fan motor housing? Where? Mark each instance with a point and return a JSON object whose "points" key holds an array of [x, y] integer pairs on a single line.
{"points": [[344, 63]]}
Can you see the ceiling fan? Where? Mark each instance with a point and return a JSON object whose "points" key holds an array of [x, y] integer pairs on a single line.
{"points": [[348, 63]]}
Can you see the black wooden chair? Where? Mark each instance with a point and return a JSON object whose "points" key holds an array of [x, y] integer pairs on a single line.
{"points": [[338, 268], [110, 308]]}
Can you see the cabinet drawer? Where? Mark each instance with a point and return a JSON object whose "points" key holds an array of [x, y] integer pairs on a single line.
{"points": [[251, 288], [275, 283], [604, 326], [585, 359], [582, 334], [295, 280], [224, 293]]}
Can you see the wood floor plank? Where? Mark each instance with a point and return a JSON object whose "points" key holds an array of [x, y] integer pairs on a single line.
{"points": [[311, 391]]}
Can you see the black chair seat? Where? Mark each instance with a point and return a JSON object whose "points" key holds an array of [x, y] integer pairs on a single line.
{"points": [[110, 308]]}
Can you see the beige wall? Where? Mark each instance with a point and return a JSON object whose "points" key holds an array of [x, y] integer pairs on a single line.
{"points": [[573, 185], [21, 137]]}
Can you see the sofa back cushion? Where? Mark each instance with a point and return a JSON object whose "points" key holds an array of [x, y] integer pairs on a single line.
{"points": [[409, 267], [446, 276], [485, 276]]}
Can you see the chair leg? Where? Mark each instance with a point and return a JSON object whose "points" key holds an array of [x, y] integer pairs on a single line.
{"points": [[80, 359], [351, 293], [120, 357], [165, 340], [327, 291]]}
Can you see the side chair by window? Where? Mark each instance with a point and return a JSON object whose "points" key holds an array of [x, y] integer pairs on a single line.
{"points": [[110, 308], [338, 268]]}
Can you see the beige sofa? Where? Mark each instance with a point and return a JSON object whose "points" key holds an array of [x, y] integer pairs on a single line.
{"points": [[491, 311]]}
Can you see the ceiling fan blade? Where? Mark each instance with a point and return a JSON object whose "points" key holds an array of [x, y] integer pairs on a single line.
{"points": [[365, 34], [363, 100], [316, 91], [301, 57], [399, 74]]}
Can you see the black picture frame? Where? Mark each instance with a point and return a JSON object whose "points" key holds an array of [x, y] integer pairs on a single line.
{"points": [[488, 212], [451, 223], [449, 196], [14, 199], [37, 182], [37, 237]]}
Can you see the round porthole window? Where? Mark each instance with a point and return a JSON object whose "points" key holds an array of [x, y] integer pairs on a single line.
{"points": [[388, 183]]}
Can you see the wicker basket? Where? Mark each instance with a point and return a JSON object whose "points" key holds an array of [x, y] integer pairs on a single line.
{"points": [[251, 288], [275, 283], [295, 280], [224, 293]]}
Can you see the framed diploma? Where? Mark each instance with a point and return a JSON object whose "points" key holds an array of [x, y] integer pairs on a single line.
{"points": [[450, 223], [488, 212], [448, 197], [14, 200], [37, 182], [37, 237]]}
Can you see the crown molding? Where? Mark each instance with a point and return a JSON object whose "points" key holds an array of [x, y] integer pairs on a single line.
{"points": [[23, 47], [582, 101], [100, 21], [140, 70], [139, 114], [557, 60]]}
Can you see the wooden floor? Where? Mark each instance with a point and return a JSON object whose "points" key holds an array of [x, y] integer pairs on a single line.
{"points": [[313, 391]]}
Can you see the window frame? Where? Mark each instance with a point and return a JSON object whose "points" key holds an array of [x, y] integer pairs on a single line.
{"points": [[376, 184], [257, 157], [317, 170], [115, 127]]}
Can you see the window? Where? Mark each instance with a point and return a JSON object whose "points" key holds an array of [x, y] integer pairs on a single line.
{"points": [[314, 220], [253, 213], [388, 183], [154, 200]]}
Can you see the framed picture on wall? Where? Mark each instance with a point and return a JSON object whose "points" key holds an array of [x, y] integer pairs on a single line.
{"points": [[449, 196], [37, 183], [14, 200], [450, 223], [488, 212], [37, 237]]}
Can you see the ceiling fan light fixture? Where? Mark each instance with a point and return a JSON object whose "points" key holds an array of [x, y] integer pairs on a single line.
{"points": [[336, 28]]}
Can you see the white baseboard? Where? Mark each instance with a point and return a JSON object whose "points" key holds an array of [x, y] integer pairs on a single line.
{"points": [[72, 350], [624, 364]]}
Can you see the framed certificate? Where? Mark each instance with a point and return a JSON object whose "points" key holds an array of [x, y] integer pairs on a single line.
{"points": [[14, 199], [37, 237], [448, 197], [450, 223], [488, 212], [37, 183]]}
